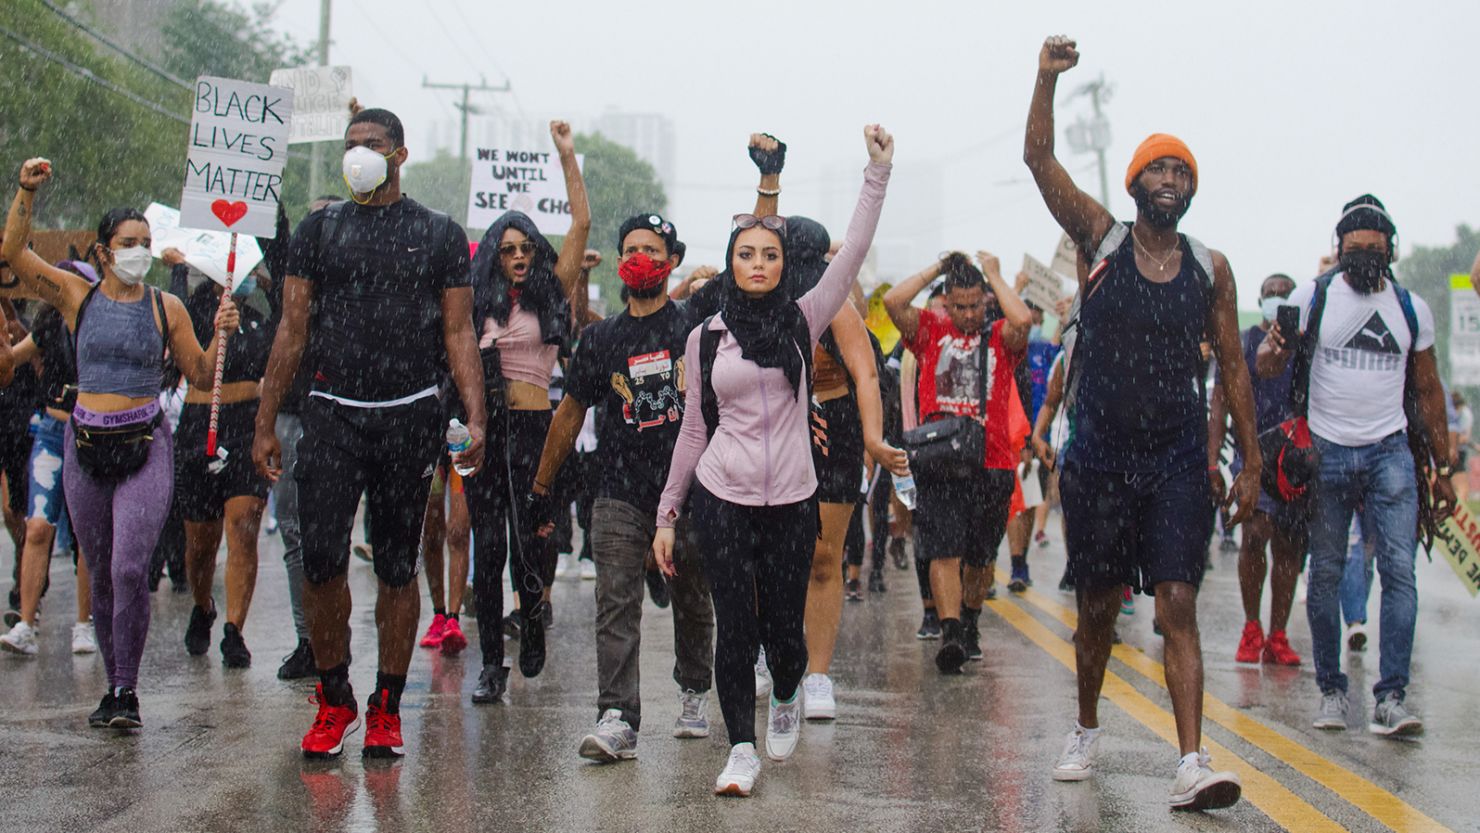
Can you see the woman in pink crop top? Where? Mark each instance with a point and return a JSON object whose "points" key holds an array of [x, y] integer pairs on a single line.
{"points": [[754, 506], [522, 299]]}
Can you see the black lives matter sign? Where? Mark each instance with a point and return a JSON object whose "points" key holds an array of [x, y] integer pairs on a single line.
{"points": [[238, 147]]}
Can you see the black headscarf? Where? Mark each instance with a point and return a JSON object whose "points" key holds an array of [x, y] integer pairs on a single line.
{"points": [[764, 325], [541, 293], [807, 243]]}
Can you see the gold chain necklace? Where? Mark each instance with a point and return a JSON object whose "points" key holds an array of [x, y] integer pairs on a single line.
{"points": [[1160, 267]]}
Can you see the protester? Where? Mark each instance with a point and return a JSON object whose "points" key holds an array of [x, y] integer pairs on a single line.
{"points": [[123, 466], [748, 444], [389, 282], [1367, 380], [1137, 504]]}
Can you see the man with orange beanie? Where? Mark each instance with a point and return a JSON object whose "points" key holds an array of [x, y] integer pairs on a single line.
{"points": [[1136, 490]]}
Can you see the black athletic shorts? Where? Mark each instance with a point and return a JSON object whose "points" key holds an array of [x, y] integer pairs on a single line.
{"points": [[391, 453], [963, 517], [15, 463], [1136, 529], [840, 471], [204, 484]]}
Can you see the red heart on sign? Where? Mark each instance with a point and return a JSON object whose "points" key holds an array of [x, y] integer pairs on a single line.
{"points": [[229, 212]]}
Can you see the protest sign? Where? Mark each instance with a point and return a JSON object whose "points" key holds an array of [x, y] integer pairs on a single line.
{"points": [[1459, 540], [205, 250], [530, 181], [238, 147], [1065, 258], [1045, 287], [320, 101], [1464, 332]]}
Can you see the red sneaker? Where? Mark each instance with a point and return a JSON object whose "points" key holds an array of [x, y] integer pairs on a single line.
{"points": [[1251, 644], [326, 738], [453, 640], [436, 632], [382, 730], [1277, 650]]}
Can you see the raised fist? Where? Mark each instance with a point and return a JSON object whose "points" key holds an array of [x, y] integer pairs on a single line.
{"points": [[1059, 54]]}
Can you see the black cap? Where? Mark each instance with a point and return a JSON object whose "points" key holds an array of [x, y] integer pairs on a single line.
{"points": [[653, 223]]}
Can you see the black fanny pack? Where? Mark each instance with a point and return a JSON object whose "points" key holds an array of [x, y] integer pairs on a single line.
{"points": [[955, 446], [112, 454]]}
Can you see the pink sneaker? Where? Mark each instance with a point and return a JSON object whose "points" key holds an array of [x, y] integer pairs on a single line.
{"points": [[435, 632], [453, 640]]}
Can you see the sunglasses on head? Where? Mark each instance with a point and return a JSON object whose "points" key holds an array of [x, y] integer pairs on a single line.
{"points": [[508, 249], [773, 222]]}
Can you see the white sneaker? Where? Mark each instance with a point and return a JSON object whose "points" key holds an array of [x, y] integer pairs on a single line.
{"points": [[1077, 761], [817, 700], [588, 570], [783, 728], [762, 675], [693, 718], [1198, 787], [613, 740], [1333, 711], [84, 640], [739, 774], [20, 640], [562, 566]]}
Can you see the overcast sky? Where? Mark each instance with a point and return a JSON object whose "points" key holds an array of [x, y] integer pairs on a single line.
{"points": [[1291, 108]]}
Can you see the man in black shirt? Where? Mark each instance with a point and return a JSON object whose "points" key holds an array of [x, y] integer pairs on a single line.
{"points": [[389, 280], [631, 366]]}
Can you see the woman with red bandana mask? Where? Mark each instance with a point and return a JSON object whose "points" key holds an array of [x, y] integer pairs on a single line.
{"points": [[523, 295]]}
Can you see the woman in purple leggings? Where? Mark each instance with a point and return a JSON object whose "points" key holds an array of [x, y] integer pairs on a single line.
{"points": [[119, 472]]}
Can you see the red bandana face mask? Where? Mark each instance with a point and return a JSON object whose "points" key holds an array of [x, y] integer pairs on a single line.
{"points": [[642, 274]]}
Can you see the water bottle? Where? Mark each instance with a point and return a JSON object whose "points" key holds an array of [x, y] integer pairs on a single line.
{"points": [[458, 440], [905, 488]]}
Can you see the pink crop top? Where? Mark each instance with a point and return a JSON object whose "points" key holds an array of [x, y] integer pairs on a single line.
{"points": [[523, 353]]}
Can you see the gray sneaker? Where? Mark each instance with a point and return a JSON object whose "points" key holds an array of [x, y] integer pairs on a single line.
{"points": [[613, 740], [1392, 719], [1332, 715], [693, 719]]}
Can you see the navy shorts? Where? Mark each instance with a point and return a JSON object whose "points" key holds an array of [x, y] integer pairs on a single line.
{"points": [[963, 518], [1136, 529]]}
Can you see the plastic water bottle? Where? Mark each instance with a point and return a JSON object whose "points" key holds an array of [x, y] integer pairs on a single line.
{"points": [[458, 440], [905, 488]]}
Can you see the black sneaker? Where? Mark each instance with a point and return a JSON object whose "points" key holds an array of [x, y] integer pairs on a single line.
{"points": [[896, 551], [971, 640], [1065, 585], [532, 644], [514, 624], [126, 710], [853, 590], [657, 589], [1021, 580], [103, 714], [493, 681], [299, 664], [952, 653], [198, 632], [876, 582], [991, 592], [929, 626], [234, 653]]}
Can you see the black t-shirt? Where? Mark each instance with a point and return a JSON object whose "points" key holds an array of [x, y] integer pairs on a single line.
{"points": [[378, 283], [631, 369], [247, 349], [58, 362]]}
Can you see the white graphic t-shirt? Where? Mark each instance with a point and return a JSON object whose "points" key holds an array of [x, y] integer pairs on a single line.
{"points": [[1357, 374]]}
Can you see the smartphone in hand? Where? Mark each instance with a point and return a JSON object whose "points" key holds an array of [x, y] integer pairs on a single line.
{"points": [[1287, 318]]}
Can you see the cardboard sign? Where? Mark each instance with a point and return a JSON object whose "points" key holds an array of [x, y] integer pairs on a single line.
{"points": [[530, 181], [238, 147], [1065, 258], [1045, 287], [320, 101], [1464, 332], [1459, 540], [205, 250]]}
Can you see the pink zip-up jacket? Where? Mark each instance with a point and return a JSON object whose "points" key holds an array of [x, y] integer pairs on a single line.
{"points": [[761, 453]]}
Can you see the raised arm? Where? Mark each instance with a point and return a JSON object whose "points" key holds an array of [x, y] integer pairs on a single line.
{"points": [[824, 300], [573, 248], [1238, 393], [57, 287], [1018, 319], [693, 439], [898, 301], [1076, 212], [858, 354], [769, 155], [282, 365]]}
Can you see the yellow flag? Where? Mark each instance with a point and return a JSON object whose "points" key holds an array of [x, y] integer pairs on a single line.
{"points": [[878, 320]]}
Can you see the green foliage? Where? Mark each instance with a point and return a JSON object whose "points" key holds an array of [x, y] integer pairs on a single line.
{"points": [[620, 184], [1426, 271], [441, 183], [203, 37]]}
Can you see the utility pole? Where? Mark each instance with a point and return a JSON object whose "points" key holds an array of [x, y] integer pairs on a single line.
{"points": [[316, 153], [1093, 135], [466, 108]]}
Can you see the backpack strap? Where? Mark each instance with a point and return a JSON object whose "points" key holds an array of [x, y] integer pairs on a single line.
{"points": [[708, 348], [164, 323], [1305, 350], [329, 226], [77, 321]]}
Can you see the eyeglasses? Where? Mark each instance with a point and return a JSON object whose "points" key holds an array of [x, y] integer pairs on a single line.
{"points": [[773, 222], [507, 250]]}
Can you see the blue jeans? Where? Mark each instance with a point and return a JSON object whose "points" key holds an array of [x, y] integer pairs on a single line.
{"points": [[1356, 578], [1376, 481]]}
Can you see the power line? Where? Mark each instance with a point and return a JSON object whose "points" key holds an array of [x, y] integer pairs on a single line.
{"points": [[157, 70], [88, 75]]}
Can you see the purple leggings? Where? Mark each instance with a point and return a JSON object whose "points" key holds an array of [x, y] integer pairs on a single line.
{"points": [[117, 526]]}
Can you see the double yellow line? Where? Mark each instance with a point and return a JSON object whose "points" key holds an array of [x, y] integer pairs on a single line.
{"points": [[1276, 801]]}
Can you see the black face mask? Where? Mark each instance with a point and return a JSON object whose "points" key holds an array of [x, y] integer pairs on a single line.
{"points": [[1365, 269], [1153, 213]]}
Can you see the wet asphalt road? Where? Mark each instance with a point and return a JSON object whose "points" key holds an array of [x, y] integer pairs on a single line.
{"points": [[910, 750]]}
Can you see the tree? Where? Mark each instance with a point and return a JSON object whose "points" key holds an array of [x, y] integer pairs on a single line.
{"points": [[1426, 271], [620, 184]]}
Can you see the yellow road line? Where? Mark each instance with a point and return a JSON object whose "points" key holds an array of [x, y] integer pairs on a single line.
{"points": [[1347, 785], [1284, 807]]}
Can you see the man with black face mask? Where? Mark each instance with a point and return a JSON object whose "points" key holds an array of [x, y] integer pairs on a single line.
{"points": [[1366, 365], [631, 365], [1135, 489]]}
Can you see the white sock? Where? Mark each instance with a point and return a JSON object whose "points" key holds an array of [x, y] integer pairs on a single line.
{"points": [[1090, 732]]}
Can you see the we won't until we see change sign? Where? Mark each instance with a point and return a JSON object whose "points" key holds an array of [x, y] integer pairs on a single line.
{"points": [[238, 147]]}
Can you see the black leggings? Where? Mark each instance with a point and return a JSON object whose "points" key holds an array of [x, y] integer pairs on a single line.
{"points": [[758, 560], [521, 436]]}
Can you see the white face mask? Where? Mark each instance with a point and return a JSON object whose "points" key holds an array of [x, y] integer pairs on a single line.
{"points": [[364, 169], [1271, 306], [132, 264]]}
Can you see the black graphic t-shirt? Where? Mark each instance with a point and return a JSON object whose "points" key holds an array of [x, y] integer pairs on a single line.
{"points": [[632, 369]]}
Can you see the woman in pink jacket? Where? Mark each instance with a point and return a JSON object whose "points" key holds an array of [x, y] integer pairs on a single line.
{"points": [[754, 506]]}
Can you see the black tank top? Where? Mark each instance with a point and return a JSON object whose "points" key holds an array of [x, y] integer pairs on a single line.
{"points": [[1139, 406]]}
